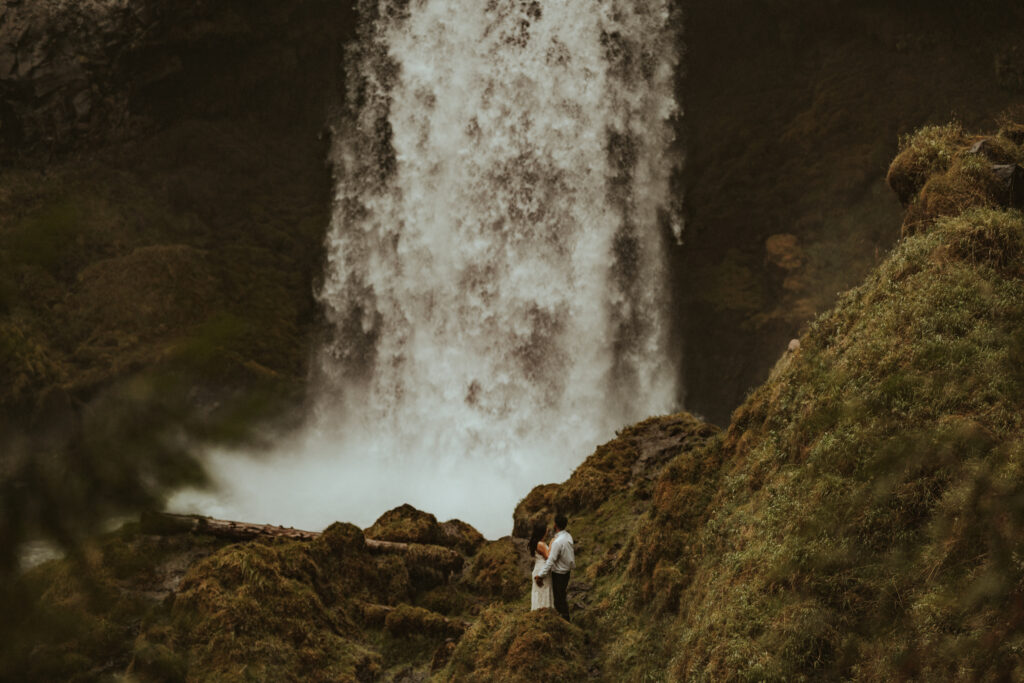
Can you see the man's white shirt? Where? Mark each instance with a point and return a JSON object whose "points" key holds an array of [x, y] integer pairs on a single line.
{"points": [[562, 557]]}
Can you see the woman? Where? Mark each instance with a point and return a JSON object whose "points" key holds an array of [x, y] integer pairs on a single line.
{"points": [[540, 596]]}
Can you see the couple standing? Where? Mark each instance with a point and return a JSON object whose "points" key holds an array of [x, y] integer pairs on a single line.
{"points": [[556, 562]]}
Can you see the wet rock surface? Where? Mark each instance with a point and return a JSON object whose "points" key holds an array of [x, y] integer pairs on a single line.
{"points": [[74, 73]]}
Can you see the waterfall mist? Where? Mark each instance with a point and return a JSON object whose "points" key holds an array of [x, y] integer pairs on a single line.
{"points": [[495, 278]]}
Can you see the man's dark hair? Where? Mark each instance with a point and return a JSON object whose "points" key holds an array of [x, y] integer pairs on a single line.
{"points": [[561, 521]]}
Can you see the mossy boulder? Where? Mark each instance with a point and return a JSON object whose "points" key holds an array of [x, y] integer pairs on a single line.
{"points": [[406, 524], [523, 646], [942, 171], [342, 538], [430, 566], [449, 599], [929, 151], [500, 569], [254, 609], [629, 463], [461, 536]]}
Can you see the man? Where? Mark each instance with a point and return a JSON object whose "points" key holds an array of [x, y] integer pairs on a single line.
{"points": [[561, 560]]}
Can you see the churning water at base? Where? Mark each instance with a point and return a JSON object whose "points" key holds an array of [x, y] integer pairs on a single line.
{"points": [[495, 275]]}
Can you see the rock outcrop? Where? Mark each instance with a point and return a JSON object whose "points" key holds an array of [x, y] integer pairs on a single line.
{"points": [[75, 73]]}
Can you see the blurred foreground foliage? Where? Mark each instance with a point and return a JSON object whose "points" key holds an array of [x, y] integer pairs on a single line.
{"points": [[154, 296]]}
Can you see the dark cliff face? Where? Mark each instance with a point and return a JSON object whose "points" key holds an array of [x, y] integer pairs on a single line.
{"points": [[793, 112], [74, 74], [163, 203]]}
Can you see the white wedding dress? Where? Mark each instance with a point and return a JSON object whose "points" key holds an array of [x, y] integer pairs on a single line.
{"points": [[541, 596]]}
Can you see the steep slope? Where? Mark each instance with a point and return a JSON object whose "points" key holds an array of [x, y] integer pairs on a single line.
{"points": [[860, 517], [794, 109]]}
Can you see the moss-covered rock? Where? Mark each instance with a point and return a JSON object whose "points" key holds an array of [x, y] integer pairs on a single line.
{"points": [[343, 539], [628, 464], [928, 151], [461, 536], [520, 646], [406, 524], [255, 608], [500, 569], [941, 171]]}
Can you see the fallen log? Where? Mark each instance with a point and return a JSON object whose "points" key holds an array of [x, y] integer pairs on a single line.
{"points": [[168, 523]]}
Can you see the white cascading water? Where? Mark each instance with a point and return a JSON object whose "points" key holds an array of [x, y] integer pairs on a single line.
{"points": [[495, 275]]}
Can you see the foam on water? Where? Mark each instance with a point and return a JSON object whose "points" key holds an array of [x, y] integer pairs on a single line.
{"points": [[495, 274]]}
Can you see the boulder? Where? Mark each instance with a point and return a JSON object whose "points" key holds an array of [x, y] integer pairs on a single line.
{"points": [[1011, 182], [406, 524], [501, 569]]}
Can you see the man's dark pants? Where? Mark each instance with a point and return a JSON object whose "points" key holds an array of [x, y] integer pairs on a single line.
{"points": [[560, 586]]}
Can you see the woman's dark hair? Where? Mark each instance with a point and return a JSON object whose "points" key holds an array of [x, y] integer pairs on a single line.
{"points": [[535, 538]]}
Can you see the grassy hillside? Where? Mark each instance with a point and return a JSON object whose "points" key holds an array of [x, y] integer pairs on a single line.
{"points": [[860, 517]]}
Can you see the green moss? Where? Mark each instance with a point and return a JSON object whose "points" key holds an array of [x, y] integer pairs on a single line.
{"points": [[939, 172], [628, 465], [499, 570], [519, 646], [925, 153], [407, 620], [461, 536], [253, 607], [406, 524], [844, 480]]}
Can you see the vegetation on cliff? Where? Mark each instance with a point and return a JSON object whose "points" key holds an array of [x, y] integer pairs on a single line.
{"points": [[858, 518], [794, 109], [162, 207]]}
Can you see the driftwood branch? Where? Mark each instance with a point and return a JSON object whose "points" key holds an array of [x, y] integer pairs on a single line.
{"points": [[166, 523]]}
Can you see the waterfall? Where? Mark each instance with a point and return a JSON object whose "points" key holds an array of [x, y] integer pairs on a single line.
{"points": [[495, 276]]}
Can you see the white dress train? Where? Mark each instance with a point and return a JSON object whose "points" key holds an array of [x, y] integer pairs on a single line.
{"points": [[541, 596]]}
